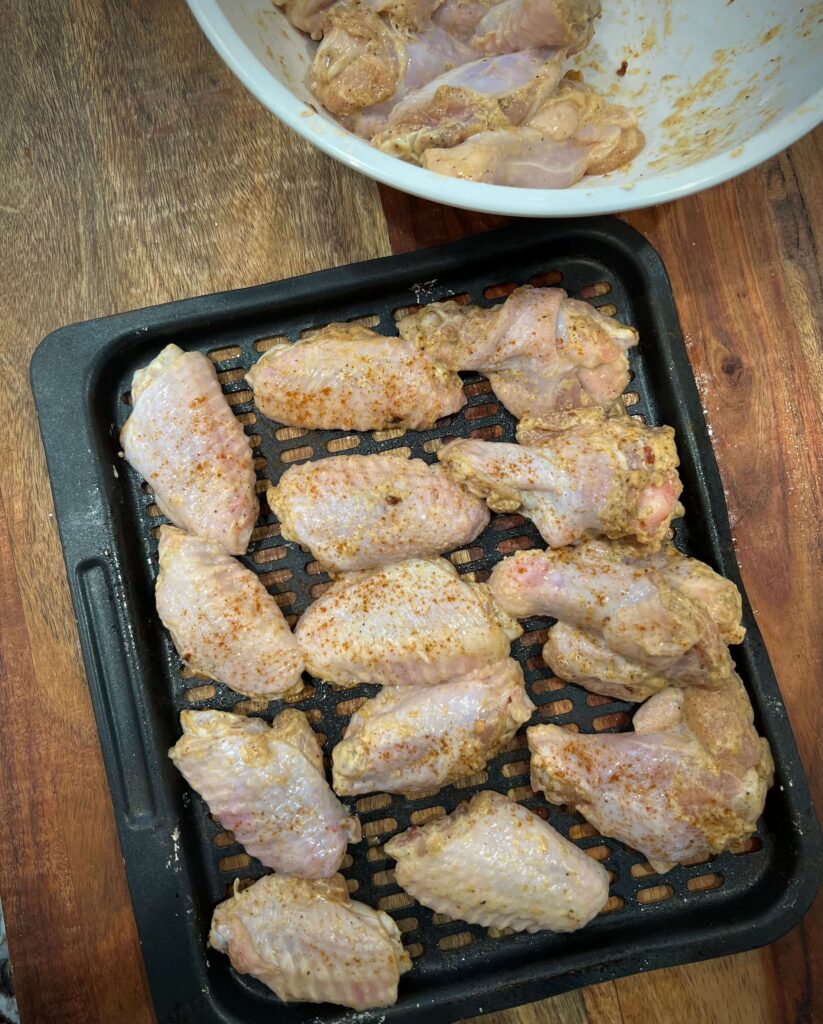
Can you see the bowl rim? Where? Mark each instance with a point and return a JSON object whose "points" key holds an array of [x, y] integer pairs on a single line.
{"points": [[498, 199]]}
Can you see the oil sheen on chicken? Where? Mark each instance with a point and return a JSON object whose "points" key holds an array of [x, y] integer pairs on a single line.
{"points": [[413, 623], [415, 739], [494, 863], [363, 511], [629, 624], [345, 377], [183, 438], [223, 621], [265, 783], [689, 782], [492, 92], [541, 350], [575, 132], [609, 475], [309, 942]]}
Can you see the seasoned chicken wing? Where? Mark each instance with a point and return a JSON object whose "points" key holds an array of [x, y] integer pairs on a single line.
{"points": [[616, 477], [309, 942], [690, 781], [265, 783], [515, 24], [183, 438], [362, 511], [541, 350], [698, 581], [367, 63], [492, 92], [349, 378], [307, 15], [223, 621], [493, 862], [575, 132], [375, 54], [412, 739], [414, 623], [626, 629]]}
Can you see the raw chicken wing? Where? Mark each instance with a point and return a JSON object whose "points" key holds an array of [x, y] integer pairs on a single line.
{"points": [[690, 781], [309, 942], [541, 350], [492, 26], [307, 15], [626, 629], [412, 739], [345, 377], [616, 477], [576, 132], [698, 581], [183, 438], [493, 92], [414, 623], [265, 783], [362, 511], [223, 621], [515, 24], [367, 63], [494, 863]]}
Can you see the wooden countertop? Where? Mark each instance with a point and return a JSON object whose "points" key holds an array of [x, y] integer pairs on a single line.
{"points": [[135, 170]]}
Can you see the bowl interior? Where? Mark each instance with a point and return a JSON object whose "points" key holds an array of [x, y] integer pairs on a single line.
{"points": [[717, 88]]}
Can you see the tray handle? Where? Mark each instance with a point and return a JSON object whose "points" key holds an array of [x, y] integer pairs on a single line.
{"points": [[103, 631]]}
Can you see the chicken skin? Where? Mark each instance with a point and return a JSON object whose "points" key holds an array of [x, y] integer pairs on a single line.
{"points": [[345, 377], [690, 781], [184, 440], [363, 511], [626, 629], [492, 862], [309, 15], [309, 942], [615, 477], [414, 739], [265, 783], [574, 133], [223, 621], [541, 350], [516, 24], [373, 55], [414, 623], [492, 92], [366, 63]]}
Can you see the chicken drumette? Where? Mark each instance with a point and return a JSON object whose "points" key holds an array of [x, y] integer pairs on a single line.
{"points": [[541, 350], [690, 781], [612, 476], [630, 624]]}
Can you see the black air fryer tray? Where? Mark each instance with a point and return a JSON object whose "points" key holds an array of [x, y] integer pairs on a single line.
{"points": [[179, 862]]}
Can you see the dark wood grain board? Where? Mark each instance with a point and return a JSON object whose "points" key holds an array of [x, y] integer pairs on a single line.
{"points": [[135, 169]]}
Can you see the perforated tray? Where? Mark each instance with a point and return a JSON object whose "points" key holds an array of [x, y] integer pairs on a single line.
{"points": [[179, 862]]}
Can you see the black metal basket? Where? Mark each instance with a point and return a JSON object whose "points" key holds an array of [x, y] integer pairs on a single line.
{"points": [[179, 862]]}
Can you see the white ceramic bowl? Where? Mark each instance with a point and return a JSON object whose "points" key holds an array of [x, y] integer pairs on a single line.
{"points": [[719, 86]]}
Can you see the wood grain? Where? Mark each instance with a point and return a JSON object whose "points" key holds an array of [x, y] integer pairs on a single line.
{"points": [[135, 169], [746, 265]]}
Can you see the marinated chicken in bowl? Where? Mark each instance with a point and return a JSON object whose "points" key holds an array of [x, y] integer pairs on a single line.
{"points": [[474, 89]]}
